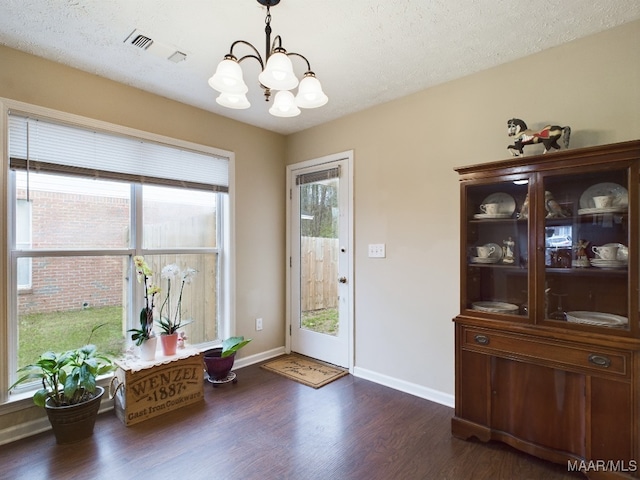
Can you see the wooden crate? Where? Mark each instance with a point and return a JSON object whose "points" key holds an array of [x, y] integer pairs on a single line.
{"points": [[143, 390]]}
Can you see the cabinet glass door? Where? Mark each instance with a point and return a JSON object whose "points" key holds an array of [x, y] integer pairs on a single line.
{"points": [[495, 256], [586, 239]]}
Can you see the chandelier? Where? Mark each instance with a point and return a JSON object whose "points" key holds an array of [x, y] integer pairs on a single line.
{"points": [[277, 75]]}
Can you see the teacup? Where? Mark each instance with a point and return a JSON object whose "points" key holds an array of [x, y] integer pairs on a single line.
{"points": [[603, 201], [485, 251], [490, 208], [607, 252]]}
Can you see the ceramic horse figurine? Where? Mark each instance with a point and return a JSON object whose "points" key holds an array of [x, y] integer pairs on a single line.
{"points": [[548, 136]]}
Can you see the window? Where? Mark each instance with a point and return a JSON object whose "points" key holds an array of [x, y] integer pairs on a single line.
{"points": [[82, 204]]}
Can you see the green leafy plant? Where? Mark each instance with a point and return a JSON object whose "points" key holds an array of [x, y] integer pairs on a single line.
{"points": [[232, 344], [144, 273], [171, 323], [67, 378]]}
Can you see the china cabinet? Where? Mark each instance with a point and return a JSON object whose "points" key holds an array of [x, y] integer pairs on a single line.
{"points": [[548, 335]]}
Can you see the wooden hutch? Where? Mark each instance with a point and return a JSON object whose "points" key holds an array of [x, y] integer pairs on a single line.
{"points": [[548, 336]]}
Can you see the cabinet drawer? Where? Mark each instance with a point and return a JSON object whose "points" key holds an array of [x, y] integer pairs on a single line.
{"points": [[580, 358]]}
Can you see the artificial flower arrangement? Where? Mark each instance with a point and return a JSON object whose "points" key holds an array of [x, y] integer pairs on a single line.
{"points": [[170, 323]]}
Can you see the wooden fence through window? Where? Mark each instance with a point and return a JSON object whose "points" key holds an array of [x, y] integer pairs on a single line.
{"points": [[319, 273]]}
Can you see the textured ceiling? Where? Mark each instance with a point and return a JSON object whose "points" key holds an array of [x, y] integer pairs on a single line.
{"points": [[364, 52]]}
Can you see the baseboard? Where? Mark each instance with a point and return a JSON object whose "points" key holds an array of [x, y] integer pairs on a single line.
{"points": [[442, 398], [258, 357]]}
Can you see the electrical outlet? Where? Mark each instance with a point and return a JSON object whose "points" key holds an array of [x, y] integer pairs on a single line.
{"points": [[258, 324], [377, 250]]}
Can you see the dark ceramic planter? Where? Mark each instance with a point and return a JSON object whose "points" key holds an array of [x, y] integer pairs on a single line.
{"points": [[218, 368], [74, 423]]}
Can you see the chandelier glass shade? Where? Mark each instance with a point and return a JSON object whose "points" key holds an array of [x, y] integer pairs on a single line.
{"points": [[277, 75]]}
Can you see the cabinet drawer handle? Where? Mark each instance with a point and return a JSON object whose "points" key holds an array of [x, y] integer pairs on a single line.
{"points": [[481, 339], [599, 360]]}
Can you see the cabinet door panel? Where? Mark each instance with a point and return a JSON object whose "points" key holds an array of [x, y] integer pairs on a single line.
{"points": [[611, 422], [474, 387], [539, 404]]}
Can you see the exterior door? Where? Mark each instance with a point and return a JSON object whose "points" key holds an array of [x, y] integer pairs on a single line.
{"points": [[320, 245]]}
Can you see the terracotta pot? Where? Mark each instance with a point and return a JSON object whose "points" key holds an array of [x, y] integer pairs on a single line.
{"points": [[169, 343], [218, 368], [74, 423], [148, 349]]}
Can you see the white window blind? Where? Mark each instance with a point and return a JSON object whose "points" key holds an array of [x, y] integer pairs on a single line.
{"points": [[46, 146]]}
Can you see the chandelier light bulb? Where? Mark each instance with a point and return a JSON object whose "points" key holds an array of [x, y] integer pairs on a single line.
{"points": [[284, 105], [232, 100], [278, 72], [228, 78], [310, 94]]}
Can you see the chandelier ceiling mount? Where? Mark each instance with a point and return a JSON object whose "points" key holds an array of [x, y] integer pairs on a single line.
{"points": [[276, 75]]}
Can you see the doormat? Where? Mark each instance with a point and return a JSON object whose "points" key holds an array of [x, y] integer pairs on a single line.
{"points": [[305, 370]]}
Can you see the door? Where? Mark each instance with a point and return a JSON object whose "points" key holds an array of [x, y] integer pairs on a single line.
{"points": [[319, 246]]}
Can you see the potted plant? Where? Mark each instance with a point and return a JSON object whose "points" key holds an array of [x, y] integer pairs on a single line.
{"points": [[172, 321], [219, 361], [143, 336], [69, 392]]}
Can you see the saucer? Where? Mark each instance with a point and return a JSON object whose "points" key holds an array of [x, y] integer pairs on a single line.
{"points": [[596, 211], [495, 307], [484, 260], [481, 216], [597, 318]]}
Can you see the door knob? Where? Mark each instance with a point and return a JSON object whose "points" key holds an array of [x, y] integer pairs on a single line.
{"points": [[342, 279]]}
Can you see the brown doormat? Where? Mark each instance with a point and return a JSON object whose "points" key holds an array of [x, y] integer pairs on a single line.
{"points": [[305, 370]]}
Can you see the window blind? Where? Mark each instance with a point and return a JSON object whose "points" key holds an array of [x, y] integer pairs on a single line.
{"points": [[46, 146], [318, 176]]}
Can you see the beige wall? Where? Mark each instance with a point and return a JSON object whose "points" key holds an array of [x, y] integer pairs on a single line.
{"points": [[406, 192], [259, 177]]}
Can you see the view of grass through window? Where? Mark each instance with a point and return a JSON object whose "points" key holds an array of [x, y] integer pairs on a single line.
{"points": [[40, 331], [321, 321]]}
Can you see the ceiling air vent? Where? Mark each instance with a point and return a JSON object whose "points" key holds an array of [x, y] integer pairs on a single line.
{"points": [[142, 41], [139, 40], [159, 49]]}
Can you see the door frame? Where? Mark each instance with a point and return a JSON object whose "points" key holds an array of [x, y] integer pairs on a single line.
{"points": [[348, 156]]}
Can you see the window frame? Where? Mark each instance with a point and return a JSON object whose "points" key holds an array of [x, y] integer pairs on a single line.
{"points": [[8, 292]]}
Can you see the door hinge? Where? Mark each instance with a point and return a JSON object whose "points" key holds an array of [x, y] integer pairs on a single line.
{"points": [[289, 329], [290, 194], [290, 262]]}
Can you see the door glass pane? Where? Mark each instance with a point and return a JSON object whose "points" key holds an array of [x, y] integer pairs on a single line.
{"points": [[319, 215], [586, 249], [497, 257]]}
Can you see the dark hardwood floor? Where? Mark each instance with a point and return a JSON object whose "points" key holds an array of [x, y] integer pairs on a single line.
{"points": [[267, 427]]}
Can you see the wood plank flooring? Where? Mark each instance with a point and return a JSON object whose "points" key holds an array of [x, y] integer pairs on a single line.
{"points": [[268, 427]]}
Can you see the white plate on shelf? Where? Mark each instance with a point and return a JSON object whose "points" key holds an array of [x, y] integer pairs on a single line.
{"points": [[484, 216], [608, 264], [507, 202], [619, 193], [484, 260], [596, 211], [597, 318], [495, 307]]}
